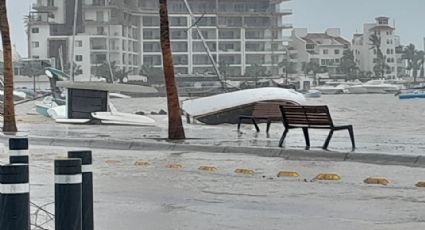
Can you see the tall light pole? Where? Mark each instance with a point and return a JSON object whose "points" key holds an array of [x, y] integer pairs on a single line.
{"points": [[74, 31]]}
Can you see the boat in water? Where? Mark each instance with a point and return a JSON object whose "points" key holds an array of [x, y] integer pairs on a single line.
{"points": [[227, 107], [374, 86], [412, 95], [330, 89], [313, 93]]}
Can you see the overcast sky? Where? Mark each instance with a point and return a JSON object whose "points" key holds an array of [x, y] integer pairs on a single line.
{"points": [[316, 15]]}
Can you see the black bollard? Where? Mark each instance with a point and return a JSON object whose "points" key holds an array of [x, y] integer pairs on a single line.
{"points": [[14, 197], [18, 150], [68, 204], [86, 168]]}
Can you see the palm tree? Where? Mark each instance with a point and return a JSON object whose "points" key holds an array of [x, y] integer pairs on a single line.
{"points": [[313, 67], [255, 71], [347, 65], [415, 60], [421, 61], [375, 42], [380, 67], [409, 55], [9, 123], [175, 125], [417, 63], [289, 67]]}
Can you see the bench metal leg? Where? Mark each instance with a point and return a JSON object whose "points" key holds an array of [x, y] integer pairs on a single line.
{"points": [[239, 123], [283, 137], [187, 118], [268, 125], [306, 137], [255, 124], [350, 131], [328, 139]]}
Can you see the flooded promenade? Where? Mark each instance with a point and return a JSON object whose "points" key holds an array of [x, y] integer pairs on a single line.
{"points": [[128, 196], [382, 124]]}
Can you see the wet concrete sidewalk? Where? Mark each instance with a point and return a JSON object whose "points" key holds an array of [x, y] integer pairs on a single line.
{"points": [[155, 197], [221, 139]]}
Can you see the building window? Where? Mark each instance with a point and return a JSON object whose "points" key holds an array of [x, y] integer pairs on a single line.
{"points": [[178, 21], [151, 21], [35, 57], [336, 51], [325, 51], [35, 30], [100, 30], [79, 43], [78, 57], [35, 44], [99, 16], [309, 46], [323, 62]]}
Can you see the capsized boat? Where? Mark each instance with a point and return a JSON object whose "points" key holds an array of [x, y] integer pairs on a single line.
{"points": [[226, 107]]}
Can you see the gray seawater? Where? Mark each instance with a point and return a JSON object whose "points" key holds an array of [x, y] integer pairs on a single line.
{"points": [[382, 124]]}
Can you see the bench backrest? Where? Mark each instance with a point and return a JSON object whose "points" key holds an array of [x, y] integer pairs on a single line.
{"points": [[268, 109], [306, 115]]}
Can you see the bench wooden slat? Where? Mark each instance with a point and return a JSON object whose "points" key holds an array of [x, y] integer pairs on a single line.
{"points": [[305, 117], [266, 109]]}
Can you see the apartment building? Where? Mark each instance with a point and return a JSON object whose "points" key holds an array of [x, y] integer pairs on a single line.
{"points": [[326, 48], [366, 56], [238, 33], [107, 31]]}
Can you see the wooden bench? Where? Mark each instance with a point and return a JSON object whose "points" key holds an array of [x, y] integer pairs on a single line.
{"points": [[311, 117], [268, 111]]}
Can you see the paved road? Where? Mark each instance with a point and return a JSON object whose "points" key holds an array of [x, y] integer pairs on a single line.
{"points": [[156, 197]]}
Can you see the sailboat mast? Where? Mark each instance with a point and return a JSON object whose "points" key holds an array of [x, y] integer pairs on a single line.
{"points": [[207, 49]]}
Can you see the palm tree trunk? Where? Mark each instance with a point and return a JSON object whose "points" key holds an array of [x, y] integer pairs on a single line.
{"points": [[175, 126], [415, 74], [9, 123]]}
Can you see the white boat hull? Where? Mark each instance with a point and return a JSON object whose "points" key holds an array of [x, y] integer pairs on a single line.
{"points": [[226, 107], [212, 104], [121, 118], [373, 86]]}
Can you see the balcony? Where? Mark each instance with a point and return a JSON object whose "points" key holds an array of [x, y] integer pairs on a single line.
{"points": [[99, 4], [265, 24], [44, 5], [95, 22], [255, 12], [40, 18]]}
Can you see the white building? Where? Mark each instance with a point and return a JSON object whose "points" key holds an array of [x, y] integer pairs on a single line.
{"points": [[326, 49], [366, 56], [238, 33]]}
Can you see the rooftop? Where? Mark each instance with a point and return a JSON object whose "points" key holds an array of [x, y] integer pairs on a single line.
{"points": [[324, 39]]}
